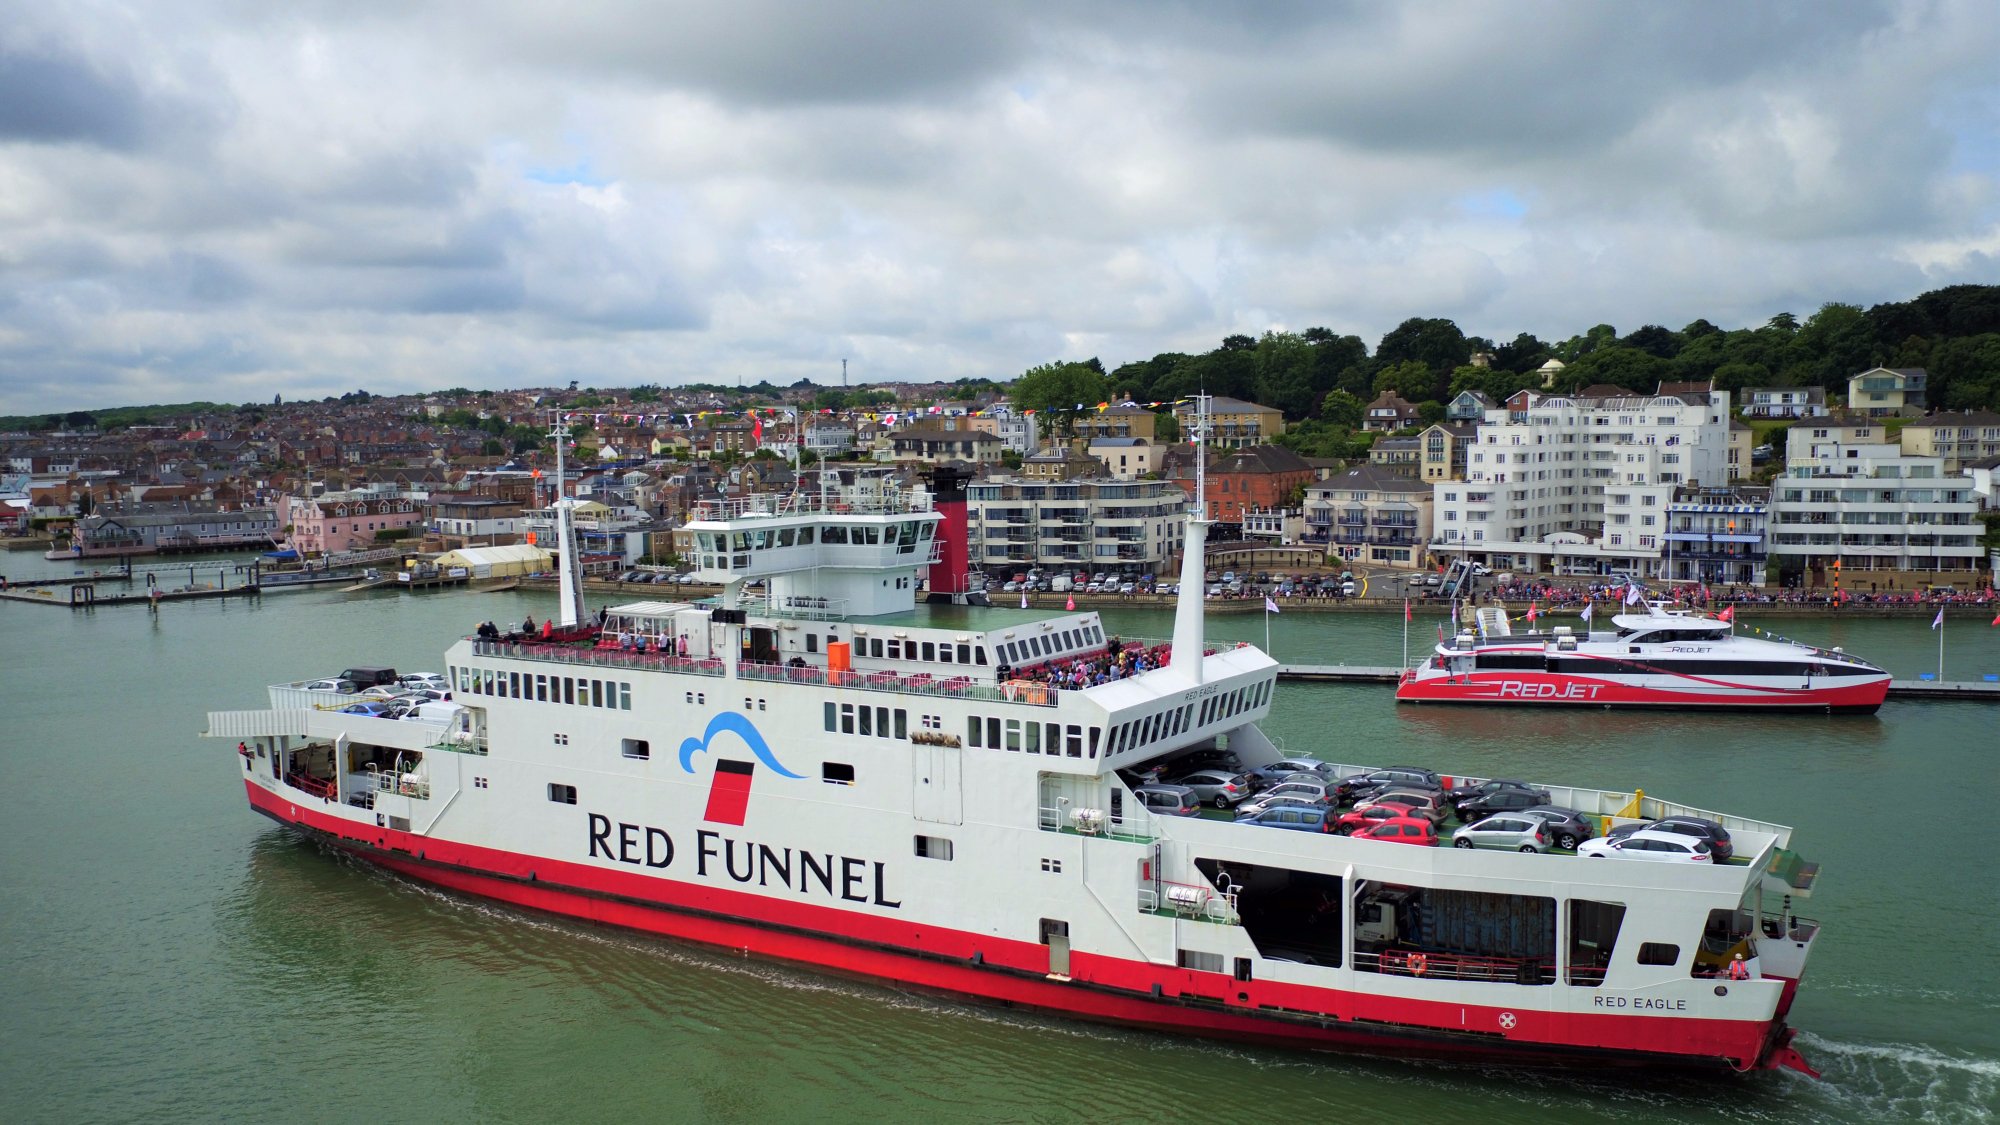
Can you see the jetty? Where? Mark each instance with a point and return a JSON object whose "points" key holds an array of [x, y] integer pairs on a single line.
{"points": [[1987, 689]]}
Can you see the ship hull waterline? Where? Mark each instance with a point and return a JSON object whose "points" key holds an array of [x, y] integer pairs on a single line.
{"points": [[983, 979], [1528, 689]]}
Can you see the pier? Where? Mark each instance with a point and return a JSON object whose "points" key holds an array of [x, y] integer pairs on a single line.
{"points": [[1987, 690]]}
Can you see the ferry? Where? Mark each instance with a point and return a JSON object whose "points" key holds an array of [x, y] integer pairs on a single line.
{"points": [[822, 771], [1661, 657]]}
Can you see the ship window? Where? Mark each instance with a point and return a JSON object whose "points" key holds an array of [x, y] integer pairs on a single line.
{"points": [[847, 718], [1052, 866], [1014, 734], [882, 722], [944, 654], [513, 685], [895, 650], [933, 847], [1034, 745], [569, 691], [867, 721], [979, 655], [635, 747], [965, 654], [930, 651], [1095, 733], [1075, 745], [1659, 953], [836, 773], [992, 733], [831, 711], [562, 794], [973, 729], [625, 697], [597, 693], [1202, 962], [812, 642], [875, 646], [902, 723]]}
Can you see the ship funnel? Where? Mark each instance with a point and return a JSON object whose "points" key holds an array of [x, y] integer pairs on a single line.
{"points": [[950, 576], [1188, 605]]}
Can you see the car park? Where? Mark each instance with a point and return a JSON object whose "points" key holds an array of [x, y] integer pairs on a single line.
{"points": [[1362, 785], [1286, 816], [1508, 832], [1423, 803], [1169, 800], [1220, 788], [1659, 847], [1321, 795], [1285, 768], [1567, 827], [1402, 830], [1499, 801], [1463, 793], [1708, 831]]}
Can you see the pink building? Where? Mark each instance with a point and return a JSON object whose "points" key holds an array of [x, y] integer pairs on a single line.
{"points": [[341, 522]]}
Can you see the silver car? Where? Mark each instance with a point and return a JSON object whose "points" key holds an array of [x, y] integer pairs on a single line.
{"points": [[1506, 831], [1217, 787], [1293, 792]]}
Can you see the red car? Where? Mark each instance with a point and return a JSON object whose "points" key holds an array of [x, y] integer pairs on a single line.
{"points": [[1403, 830], [1360, 820]]}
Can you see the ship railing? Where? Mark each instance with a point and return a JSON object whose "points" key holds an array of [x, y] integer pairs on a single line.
{"points": [[956, 687], [403, 784], [601, 657], [1195, 902], [324, 790], [1429, 965]]}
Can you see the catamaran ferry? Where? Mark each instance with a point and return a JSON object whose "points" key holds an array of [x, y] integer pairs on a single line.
{"points": [[943, 797], [1660, 657]]}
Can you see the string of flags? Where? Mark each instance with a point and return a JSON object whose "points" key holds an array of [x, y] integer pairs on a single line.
{"points": [[757, 415]]}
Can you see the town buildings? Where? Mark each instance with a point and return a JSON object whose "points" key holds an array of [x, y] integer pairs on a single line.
{"points": [[344, 521], [1443, 448], [1118, 422], [1232, 423], [1257, 477], [1580, 484], [1389, 413], [1369, 514], [1888, 391], [1126, 458], [934, 446], [1717, 536], [1872, 507], [1784, 402], [1959, 438], [1093, 524]]}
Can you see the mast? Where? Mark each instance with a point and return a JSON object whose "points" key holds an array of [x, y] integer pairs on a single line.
{"points": [[569, 573], [1188, 605]]}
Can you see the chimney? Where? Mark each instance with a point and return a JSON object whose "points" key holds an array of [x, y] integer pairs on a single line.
{"points": [[949, 576]]}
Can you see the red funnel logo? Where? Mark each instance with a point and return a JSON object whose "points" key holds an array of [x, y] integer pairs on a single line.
{"points": [[729, 792]]}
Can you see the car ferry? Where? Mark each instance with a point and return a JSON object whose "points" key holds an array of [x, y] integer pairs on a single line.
{"points": [[941, 797], [1660, 657]]}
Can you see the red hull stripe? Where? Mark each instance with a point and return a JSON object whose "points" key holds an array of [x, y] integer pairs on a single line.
{"points": [[980, 965], [1543, 688]]}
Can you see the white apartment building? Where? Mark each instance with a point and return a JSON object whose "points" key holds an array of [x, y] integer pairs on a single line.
{"points": [[1131, 527], [1873, 507], [1580, 485]]}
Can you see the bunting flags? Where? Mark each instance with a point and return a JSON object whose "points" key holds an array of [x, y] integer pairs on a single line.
{"points": [[1728, 614], [1534, 611]]}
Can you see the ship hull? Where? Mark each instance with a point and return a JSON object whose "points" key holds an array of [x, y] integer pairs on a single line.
{"points": [[1539, 689], [985, 969]]}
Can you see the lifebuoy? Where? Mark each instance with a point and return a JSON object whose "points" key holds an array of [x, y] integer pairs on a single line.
{"points": [[1417, 963]]}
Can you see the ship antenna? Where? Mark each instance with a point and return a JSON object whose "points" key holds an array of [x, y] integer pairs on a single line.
{"points": [[1188, 606], [569, 575]]}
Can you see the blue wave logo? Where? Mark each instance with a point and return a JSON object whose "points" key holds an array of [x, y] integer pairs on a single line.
{"points": [[733, 723]]}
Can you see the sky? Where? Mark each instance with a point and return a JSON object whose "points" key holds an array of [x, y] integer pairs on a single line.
{"points": [[231, 200]]}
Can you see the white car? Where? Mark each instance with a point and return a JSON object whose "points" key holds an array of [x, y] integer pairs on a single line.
{"points": [[344, 687], [424, 680], [1660, 847]]}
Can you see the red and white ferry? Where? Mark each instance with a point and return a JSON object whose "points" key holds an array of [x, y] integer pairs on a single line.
{"points": [[834, 776], [1659, 658]]}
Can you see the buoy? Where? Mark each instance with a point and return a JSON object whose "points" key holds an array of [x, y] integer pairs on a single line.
{"points": [[1418, 963]]}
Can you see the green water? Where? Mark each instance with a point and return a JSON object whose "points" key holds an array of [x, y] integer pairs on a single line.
{"points": [[168, 955]]}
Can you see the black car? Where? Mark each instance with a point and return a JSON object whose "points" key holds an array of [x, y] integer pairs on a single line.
{"points": [[1715, 834], [1463, 793], [1567, 827], [1362, 786], [1499, 801]]}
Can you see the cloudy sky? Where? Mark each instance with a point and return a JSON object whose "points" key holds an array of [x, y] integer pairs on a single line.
{"points": [[232, 199]]}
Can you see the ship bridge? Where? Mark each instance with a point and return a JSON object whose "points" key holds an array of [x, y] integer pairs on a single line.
{"points": [[861, 549]]}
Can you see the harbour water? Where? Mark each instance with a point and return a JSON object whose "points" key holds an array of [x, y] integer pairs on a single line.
{"points": [[168, 955]]}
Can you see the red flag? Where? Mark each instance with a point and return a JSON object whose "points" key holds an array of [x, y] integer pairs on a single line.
{"points": [[1996, 619], [1728, 614], [756, 427], [1406, 611], [1534, 611]]}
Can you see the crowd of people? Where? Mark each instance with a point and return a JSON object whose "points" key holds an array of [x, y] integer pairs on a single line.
{"points": [[1551, 594], [1116, 662]]}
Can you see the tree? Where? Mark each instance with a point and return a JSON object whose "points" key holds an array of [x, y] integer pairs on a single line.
{"points": [[1339, 408], [1436, 343], [1837, 342], [1625, 367], [1783, 322], [1284, 366], [1054, 390], [1411, 378], [1166, 427], [1654, 340]]}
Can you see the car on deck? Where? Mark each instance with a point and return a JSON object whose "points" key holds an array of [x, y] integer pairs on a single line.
{"points": [[1658, 847], [1508, 832], [1220, 788], [1402, 830], [1707, 831]]}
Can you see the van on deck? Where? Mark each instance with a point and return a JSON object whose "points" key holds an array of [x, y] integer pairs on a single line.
{"points": [[369, 675]]}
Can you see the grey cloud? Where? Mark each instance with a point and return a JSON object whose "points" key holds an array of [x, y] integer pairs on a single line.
{"points": [[55, 98]]}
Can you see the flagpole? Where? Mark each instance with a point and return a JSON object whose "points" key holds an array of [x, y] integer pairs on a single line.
{"points": [[1406, 635], [1940, 646], [1267, 625]]}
